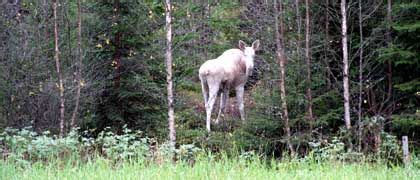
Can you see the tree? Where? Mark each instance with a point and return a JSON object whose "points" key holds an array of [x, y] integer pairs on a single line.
{"points": [[327, 44], [171, 116], [388, 62], [58, 69], [308, 66], [118, 45], [79, 65], [281, 59], [403, 53], [359, 109], [346, 93], [299, 27]]}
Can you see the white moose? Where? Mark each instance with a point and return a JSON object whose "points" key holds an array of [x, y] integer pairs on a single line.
{"points": [[229, 70]]}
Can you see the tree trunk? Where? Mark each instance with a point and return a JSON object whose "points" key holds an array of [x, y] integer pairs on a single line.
{"points": [[79, 65], [308, 67], [327, 44], [117, 43], [281, 58], [359, 111], [346, 87], [59, 73], [171, 116], [299, 27], [389, 64]]}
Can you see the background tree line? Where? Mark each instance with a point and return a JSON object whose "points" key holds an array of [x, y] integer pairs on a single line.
{"points": [[97, 64]]}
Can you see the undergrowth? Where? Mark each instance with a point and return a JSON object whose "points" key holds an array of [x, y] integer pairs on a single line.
{"points": [[130, 155]]}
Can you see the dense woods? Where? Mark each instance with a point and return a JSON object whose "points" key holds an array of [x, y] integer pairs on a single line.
{"points": [[326, 71]]}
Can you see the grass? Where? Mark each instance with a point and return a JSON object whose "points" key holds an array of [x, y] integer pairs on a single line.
{"points": [[226, 168]]}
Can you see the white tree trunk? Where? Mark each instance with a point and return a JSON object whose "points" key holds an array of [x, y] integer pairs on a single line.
{"points": [[346, 87], [171, 116]]}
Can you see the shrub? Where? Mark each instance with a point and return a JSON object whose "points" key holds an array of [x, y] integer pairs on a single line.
{"points": [[25, 146], [125, 146], [389, 149], [331, 151]]}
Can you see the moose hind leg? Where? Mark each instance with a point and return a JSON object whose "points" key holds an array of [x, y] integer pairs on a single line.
{"points": [[205, 90], [224, 95], [209, 106]]}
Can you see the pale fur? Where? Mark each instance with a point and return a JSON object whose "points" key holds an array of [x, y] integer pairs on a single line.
{"points": [[229, 70]]}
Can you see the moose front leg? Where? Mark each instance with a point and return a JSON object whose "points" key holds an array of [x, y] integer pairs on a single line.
{"points": [[240, 101]]}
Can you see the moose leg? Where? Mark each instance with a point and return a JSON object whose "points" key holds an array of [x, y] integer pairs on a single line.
{"points": [[205, 90], [223, 100], [240, 101], [213, 90]]}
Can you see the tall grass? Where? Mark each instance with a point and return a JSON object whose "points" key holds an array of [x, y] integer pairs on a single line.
{"points": [[28, 155], [206, 167]]}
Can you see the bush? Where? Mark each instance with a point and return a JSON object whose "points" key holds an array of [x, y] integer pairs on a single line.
{"points": [[26, 146], [125, 146], [390, 150], [187, 152], [330, 151]]}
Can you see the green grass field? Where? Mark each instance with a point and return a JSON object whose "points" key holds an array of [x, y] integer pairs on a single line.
{"points": [[204, 169]]}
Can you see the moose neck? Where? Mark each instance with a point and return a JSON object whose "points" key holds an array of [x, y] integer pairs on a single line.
{"points": [[249, 62]]}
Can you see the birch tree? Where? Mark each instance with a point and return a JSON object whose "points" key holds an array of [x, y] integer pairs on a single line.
{"points": [[171, 116], [346, 93], [59, 73]]}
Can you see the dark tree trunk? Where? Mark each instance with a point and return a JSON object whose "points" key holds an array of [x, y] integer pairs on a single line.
{"points": [[79, 65], [389, 64], [281, 59], [308, 66], [359, 111], [118, 45]]}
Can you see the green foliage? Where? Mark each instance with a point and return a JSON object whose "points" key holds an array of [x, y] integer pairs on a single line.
{"points": [[187, 152], [192, 162], [328, 108], [406, 124], [390, 150], [331, 151], [23, 146], [411, 86], [134, 85], [125, 146], [404, 53]]}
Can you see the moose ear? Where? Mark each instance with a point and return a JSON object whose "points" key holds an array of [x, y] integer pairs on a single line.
{"points": [[242, 45], [256, 45]]}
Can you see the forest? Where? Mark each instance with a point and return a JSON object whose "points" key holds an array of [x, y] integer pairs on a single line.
{"points": [[115, 88]]}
